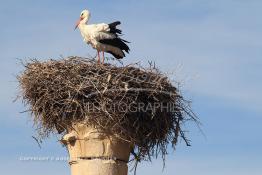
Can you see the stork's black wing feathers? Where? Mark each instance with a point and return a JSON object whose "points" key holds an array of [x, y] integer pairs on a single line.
{"points": [[115, 55], [113, 29], [116, 42]]}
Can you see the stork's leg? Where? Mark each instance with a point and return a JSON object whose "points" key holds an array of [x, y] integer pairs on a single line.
{"points": [[98, 56], [103, 57]]}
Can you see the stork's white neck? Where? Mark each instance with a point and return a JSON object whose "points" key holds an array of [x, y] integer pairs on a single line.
{"points": [[84, 21]]}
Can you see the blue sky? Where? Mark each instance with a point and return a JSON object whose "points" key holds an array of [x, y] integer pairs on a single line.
{"points": [[213, 48]]}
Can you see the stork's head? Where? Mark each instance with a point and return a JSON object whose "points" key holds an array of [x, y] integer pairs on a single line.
{"points": [[84, 17]]}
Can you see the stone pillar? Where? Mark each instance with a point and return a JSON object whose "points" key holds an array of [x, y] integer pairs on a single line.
{"points": [[94, 153]]}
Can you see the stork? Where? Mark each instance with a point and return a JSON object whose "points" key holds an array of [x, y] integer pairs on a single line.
{"points": [[102, 37]]}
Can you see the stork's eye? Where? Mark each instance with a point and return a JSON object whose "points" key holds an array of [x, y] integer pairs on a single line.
{"points": [[82, 14]]}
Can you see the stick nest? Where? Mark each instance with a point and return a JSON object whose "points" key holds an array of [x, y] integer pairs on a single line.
{"points": [[138, 105]]}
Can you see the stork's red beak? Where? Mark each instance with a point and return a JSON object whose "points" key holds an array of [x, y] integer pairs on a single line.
{"points": [[78, 22]]}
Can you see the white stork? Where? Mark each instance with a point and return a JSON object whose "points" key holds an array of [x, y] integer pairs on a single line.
{"points": [[102, 37]]}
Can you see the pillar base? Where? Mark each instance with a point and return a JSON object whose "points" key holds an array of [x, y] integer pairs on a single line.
{"points": [[95, 153]]}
